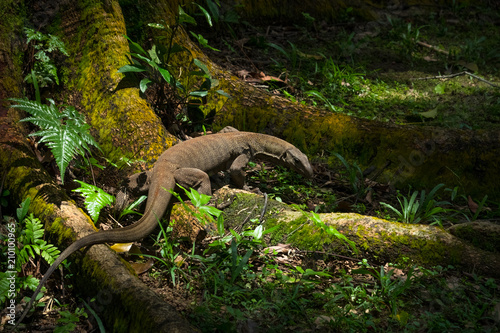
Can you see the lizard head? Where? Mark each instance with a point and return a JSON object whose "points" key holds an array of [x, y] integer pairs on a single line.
{"points": [[298, 161]]}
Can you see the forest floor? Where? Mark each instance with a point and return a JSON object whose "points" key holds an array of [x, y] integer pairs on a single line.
{"points": [[409, 68]]}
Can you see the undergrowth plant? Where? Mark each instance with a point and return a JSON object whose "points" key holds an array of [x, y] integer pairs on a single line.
{"points": [[69, 320], [330, 230], [415, 210], [65, 132], [405, 37], [27, 237], [169, 89], [96, 199], [354, 176], [44, 69], [388, 287]]}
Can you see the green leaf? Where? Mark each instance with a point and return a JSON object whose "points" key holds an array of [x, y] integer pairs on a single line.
{"points": [[220, 225], [143, 85], [134, 47], [429, 114], [31, 283], [185, 18], [23, 209], [154, 55], [132, 206], [212, 6], [165, 74], [439, 89], [4, 286], [131, 69], [65, 133], [280, 49], [223, 93], [95, 198], [198, 93], [202, 41], [201, 66], [236, 272], [210, 210], [207, 15]]}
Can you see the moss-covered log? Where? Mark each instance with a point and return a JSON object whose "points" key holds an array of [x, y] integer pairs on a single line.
{"points": [[378, 240]]}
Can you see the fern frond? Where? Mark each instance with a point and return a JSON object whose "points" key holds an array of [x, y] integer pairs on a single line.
{"points": [[4, 286], [44, 116], [66, 133], [95, 198], [64, 144], [48, 251], [30, 282]]}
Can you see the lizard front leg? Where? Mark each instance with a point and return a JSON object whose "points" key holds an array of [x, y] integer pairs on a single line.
{"points": [[236, 170]]}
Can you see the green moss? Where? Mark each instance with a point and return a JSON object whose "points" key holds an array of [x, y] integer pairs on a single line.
{"points": [[123, 122]]}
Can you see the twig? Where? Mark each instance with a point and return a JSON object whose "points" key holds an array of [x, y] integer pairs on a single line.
{"points": [[457, 74], [435, 48], [264, 209]]}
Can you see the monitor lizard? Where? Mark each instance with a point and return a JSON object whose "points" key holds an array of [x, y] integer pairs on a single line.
{"points": [[189, 164]]}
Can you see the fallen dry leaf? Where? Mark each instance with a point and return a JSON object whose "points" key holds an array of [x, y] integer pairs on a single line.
{"points": [[472, 205], [121, 247], [140, 268]]}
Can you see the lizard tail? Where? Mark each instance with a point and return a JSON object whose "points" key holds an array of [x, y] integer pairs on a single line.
{"points": [[146, 224]]}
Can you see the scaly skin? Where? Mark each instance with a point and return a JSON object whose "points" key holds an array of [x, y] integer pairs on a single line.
{"points": [[189, 164]]}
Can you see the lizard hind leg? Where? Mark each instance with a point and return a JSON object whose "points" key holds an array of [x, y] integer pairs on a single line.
{"points": [[193, 178]]}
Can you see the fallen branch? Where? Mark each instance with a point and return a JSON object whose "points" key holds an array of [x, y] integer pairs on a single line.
{"points": [[435, 48], [457, 74]]}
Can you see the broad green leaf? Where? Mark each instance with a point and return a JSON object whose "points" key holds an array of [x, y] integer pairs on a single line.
{"points": [[223, 93], [165, 74], [134, 47], [210, 210], [207, 15], [429, 114], [143, 85], [258, 232], [23, 209], [131, 69], [212, 6], [185, 18], [153, 55], [439, 89]]}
